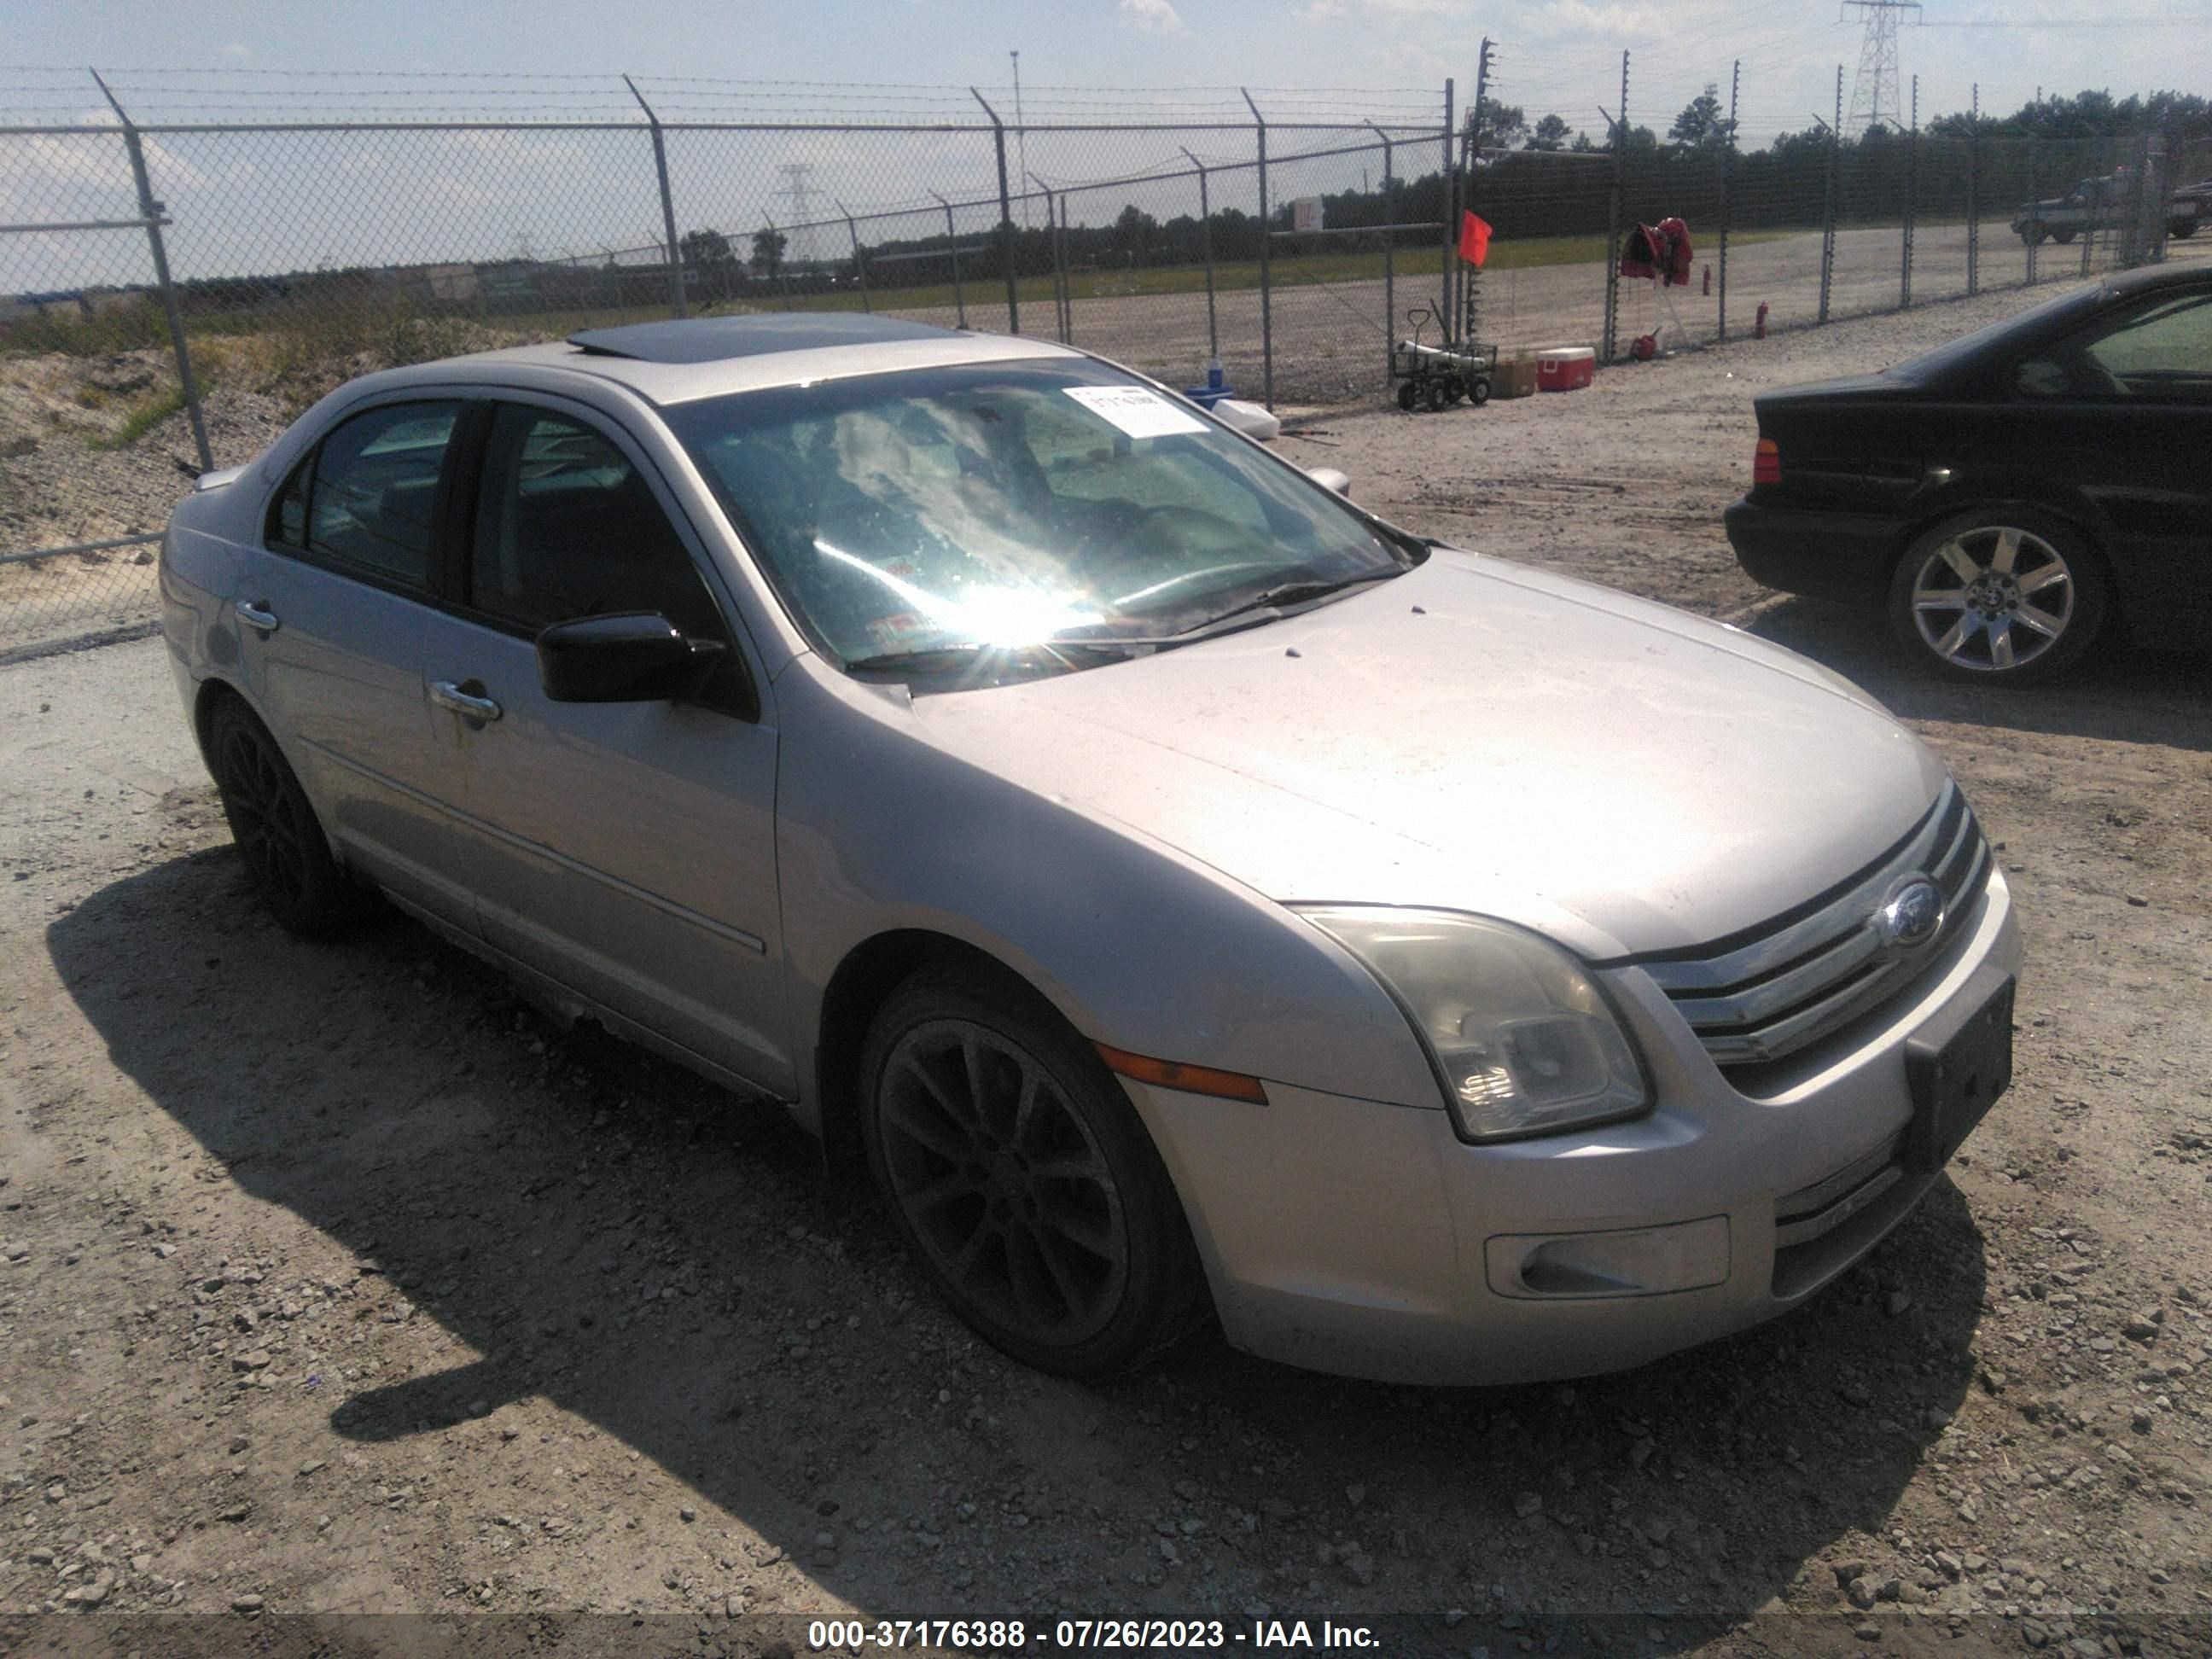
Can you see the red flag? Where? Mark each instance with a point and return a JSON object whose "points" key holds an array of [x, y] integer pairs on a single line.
{"points": [[1473, 239]]}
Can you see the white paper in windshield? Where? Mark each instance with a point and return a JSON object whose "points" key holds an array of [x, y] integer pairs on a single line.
{"points": [[1140, 413]]}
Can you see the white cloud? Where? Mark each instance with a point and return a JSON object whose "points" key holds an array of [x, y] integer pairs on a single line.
{"points": [[1152, 17], [1321, 11], [238, 49]]}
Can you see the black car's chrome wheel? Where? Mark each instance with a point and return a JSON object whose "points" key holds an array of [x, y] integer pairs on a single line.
{"points": [[285, 852], [2001, 595], [1021, 1178]]}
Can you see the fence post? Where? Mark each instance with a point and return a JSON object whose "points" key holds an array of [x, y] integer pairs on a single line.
{"points": [[1728, 155], [675, 297], [2151, 225], [1056, 209], [1449, 180], [1006, 217], [151, 211], [860, 265], [1062, 306], [1205, 240], [2034, 194], [1828, 200], [1612, 219], [1267, 291], [1390, 256], [2089, 230], [1911, 201], [952, 247], [1974, 196]]}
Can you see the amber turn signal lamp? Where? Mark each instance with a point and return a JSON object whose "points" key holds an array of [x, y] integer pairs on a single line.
{"points": [[1191, 1079]]}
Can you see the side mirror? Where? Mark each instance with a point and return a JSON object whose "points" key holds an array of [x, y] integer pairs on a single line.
{"points": [[634, 657], [1330, 479]]}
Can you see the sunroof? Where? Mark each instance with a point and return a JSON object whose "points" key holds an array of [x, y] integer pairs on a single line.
{"points": [[710, 339]]}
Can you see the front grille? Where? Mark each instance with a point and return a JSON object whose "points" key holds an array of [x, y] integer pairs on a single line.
{"points": [[1764, 994]]}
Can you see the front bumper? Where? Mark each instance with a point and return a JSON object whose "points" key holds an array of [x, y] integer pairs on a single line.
{"points": [[1349, 1235], [1821, 553]]}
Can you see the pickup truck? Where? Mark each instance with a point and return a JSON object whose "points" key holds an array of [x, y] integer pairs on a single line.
{"points": [[2200, 195], [2099, 205]]}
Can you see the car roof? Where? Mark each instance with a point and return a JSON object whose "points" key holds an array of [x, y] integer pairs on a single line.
{"points": [[685, 360]]}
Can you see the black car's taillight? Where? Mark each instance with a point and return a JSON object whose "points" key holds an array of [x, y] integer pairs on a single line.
{"points": [[1767, 462]]}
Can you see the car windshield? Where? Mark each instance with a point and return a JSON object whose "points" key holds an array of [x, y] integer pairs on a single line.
{"points": [[933, 512]]}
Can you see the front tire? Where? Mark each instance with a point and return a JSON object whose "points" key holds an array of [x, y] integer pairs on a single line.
{"points": [[2001, 595], [286, 855], [2062, 236], [2032, 234], [1022, 1180]]}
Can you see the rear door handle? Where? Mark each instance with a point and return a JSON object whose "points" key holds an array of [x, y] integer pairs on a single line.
{"points": [[447, 694], [257, 615]]}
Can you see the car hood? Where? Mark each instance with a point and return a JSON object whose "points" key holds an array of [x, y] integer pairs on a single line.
{"points": [[1478, 736]]}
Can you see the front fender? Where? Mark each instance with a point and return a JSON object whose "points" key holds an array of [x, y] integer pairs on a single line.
{"points": [[880, 829]]}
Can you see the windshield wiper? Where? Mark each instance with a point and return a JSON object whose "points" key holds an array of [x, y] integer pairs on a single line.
{"points": [[1290, 593], [955, 659]]}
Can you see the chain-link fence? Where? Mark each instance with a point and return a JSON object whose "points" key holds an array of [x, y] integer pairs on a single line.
{"points": [[172, 292]]}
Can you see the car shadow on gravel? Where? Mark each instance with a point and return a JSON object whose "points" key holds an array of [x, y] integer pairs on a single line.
{"points": [[2122, 695], [605, 1233]]}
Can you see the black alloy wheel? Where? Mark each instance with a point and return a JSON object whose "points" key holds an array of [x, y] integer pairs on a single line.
{"points": [[1022, 1180]]}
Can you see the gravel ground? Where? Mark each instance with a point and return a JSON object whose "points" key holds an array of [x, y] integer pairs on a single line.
{"points": [[333, 1280]]}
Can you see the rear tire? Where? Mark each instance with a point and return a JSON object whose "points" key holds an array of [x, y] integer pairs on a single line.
{"points": [[2182, 229], [286, 855], [2061, 235], [2001, 595], [1409, 393], [1478, 390], [1022, 1179]]}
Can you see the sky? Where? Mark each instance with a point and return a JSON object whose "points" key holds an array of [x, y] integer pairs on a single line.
{"points": [[293, 201]]}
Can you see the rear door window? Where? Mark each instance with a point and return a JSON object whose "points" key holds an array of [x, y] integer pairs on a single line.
{"points": [[366, 501]]}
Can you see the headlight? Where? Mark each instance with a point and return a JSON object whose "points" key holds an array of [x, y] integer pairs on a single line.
{"points": [[1522, 1037]]}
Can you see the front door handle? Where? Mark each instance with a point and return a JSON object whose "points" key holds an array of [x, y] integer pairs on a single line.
{"points": [[447, 694], [257, 615]]}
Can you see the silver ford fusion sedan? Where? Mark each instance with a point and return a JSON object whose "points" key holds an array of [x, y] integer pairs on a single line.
{"points": [[1183, 890]]}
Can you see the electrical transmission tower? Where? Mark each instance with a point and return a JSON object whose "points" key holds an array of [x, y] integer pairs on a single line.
{"points": [[1874, 94], [800, 195]]}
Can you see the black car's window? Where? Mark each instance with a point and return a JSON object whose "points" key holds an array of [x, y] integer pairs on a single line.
{"points": [[566, 528], [366, 500], [2159, 349]]}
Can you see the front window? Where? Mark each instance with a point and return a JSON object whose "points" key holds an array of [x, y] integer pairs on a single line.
{"points": [[1014, 505]]}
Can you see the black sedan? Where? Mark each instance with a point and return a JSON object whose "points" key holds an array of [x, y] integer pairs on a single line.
{"points": [[2015, 495]]}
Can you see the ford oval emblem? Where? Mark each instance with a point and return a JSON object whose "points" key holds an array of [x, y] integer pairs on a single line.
{"points": [[1912, 916]]}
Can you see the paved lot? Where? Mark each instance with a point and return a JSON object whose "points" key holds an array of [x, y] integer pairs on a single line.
{"points": [[337, 1281]]}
